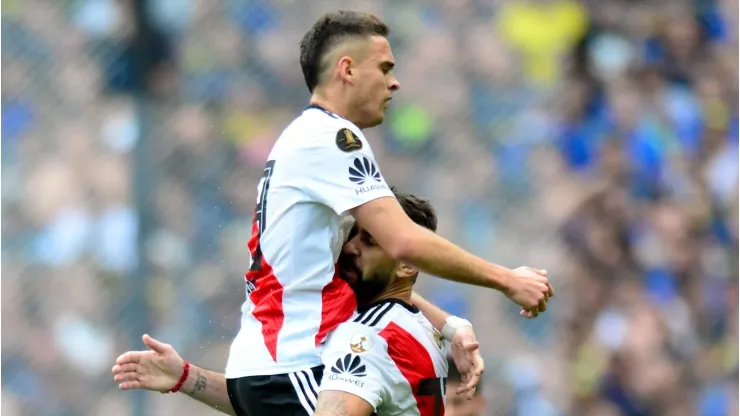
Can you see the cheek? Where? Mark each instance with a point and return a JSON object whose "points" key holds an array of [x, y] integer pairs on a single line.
{"points": [[375, 84], [374, 263]]}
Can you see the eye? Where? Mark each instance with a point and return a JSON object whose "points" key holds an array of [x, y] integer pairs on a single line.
{"points": [[367, 240]]}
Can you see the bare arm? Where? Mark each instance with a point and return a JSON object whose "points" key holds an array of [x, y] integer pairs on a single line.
{"points": [[208, 387], [386, 221], [160, 368], [339, 403], [433, 313], [465, 347]]}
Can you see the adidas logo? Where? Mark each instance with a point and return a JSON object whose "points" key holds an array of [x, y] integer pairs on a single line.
{"points": [[363, 170], [350, 365]]}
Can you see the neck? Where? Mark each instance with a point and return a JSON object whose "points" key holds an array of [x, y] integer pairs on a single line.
{"points": [[328, 101], [400, 290]]}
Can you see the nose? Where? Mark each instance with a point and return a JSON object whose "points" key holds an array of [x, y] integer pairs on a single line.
{"points": [[351, 247], [394, 85]]}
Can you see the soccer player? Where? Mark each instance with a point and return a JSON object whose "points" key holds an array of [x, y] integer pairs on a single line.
{"points": [[389, 359], [320, 172]]}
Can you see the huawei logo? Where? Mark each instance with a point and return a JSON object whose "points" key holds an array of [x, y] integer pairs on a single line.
{"points": [[363, 170], [349, 365]]}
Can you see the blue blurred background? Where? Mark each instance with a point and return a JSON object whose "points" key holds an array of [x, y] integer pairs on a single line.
{"points": [[597, 139]]}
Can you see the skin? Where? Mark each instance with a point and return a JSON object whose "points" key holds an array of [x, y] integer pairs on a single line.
{"points": [[360, 83], [160, 368]]}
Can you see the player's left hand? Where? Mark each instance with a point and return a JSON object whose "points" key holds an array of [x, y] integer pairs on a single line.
{"points": [[466, 354]]}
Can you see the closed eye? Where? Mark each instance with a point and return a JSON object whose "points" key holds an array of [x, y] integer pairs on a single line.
{"points": [[367, 239]]}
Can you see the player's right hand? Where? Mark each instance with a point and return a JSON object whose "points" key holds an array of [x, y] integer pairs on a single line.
{"points": [[530, 289], [157, 369], [466, 355]]}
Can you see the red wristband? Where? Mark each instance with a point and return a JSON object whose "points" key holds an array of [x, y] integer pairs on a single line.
{"points": [[183, 377]]}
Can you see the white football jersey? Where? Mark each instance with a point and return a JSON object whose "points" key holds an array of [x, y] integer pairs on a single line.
{"points": [[391, 357], [320, 167]]}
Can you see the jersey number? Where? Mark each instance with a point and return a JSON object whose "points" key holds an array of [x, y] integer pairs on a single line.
{"points": [[260, 213], [433, 387]]}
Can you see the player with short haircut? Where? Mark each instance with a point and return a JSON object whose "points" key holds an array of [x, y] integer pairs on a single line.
{"points": [[389, 359], [320, 173]]}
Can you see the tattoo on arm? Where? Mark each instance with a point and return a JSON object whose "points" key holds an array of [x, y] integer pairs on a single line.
{"points": [[331, 406], [200, 383]]}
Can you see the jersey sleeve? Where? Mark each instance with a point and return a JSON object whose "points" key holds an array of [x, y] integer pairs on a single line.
{"points": [[354, 360], [342, 176]]}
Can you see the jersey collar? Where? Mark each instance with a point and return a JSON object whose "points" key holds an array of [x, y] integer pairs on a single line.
{"points": [[322, 109], [395, 301]]}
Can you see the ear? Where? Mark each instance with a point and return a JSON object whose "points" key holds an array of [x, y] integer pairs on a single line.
{"points": [[406, 271], [346, 66]]}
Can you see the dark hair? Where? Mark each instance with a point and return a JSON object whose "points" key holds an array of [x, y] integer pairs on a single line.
{"points": [[419, 210], [454, 376], [327, 32]]}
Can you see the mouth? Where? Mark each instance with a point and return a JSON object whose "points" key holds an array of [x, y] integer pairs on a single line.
{"points": [[349, 271], [349, 276]]}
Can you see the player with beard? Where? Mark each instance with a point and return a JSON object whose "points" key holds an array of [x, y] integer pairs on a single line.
{"points": [[389, 360]]}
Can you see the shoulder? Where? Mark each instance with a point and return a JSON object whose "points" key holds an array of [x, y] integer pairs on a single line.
{"points": [[319, 129], [354, 337], [371, 326]]}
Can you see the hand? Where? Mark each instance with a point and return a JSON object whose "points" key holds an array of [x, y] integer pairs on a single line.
{"points": [[466, 354], [158, 369], [530, 288]]}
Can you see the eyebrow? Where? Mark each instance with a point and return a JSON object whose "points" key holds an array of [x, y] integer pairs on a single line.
{"points": [[366, 234]]}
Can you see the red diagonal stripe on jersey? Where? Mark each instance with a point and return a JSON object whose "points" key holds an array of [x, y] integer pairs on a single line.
{"points": [[267, 297], [414, 362], [338, 303]]}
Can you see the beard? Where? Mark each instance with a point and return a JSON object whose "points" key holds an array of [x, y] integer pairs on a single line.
{"points": [[368, 289], [368, 286]]}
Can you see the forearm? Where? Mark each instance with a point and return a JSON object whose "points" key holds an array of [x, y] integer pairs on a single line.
{"points": [[340, 403], [436, 256], [433, 313], [208, 387]]}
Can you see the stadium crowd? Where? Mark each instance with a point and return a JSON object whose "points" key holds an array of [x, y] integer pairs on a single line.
{"points": [[595, 138]]}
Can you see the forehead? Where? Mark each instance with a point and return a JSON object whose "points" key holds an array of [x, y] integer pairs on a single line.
{"points": [[380, 49]]}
